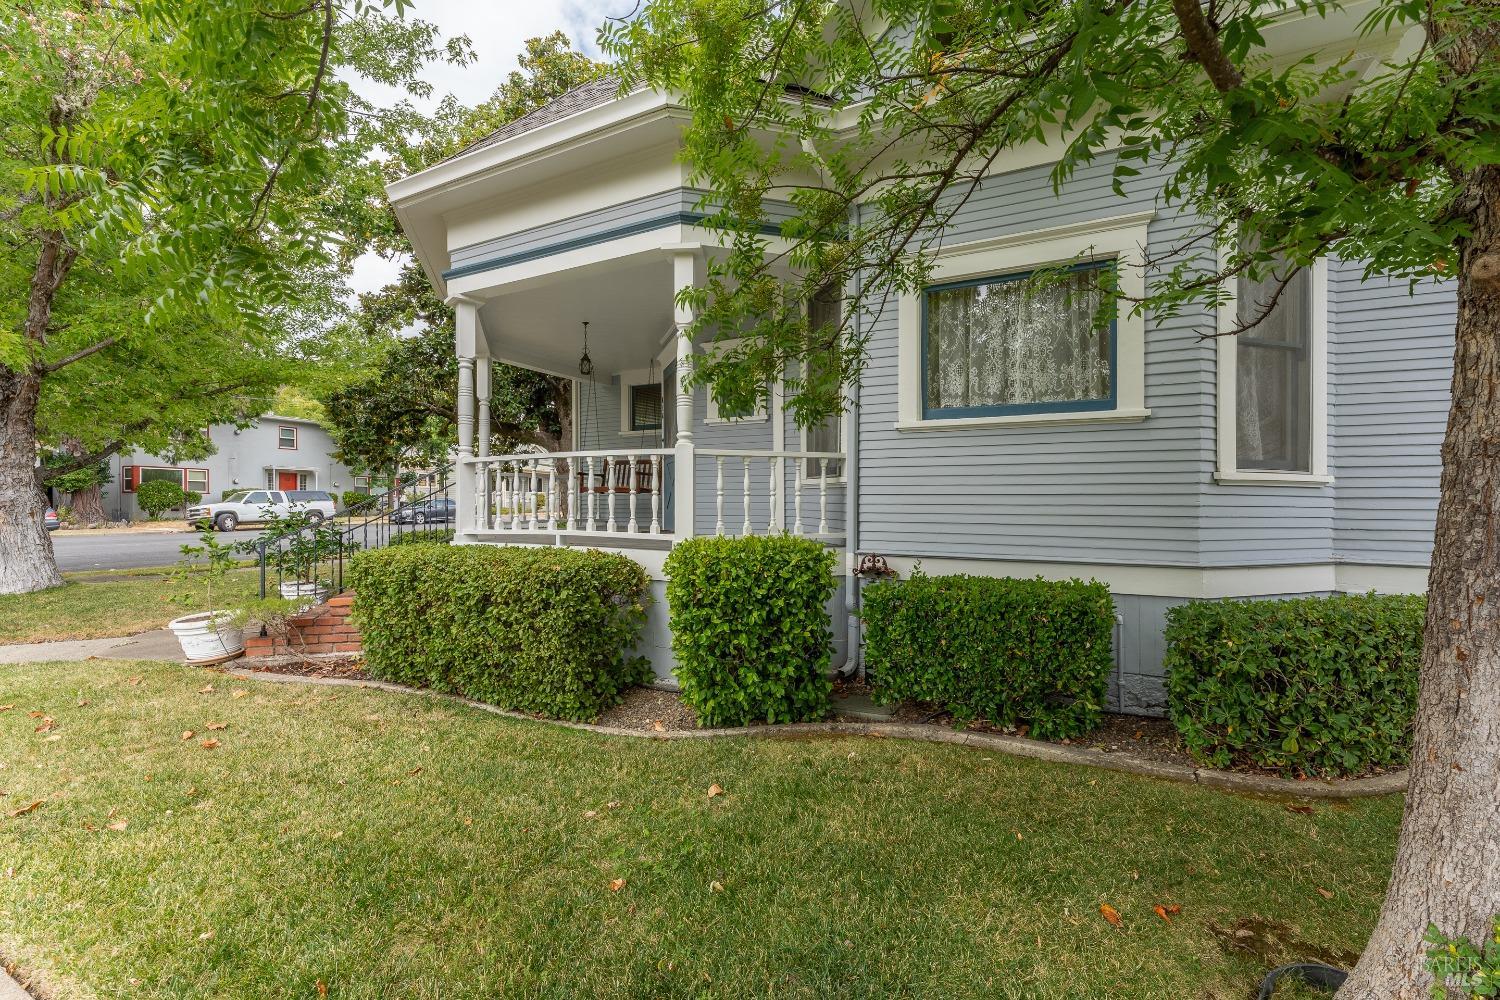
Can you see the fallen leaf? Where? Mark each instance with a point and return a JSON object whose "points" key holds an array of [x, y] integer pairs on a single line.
{"points": [[82, 702], [1324, 893], [617, 885], [206, 689], [48, 724], [209, 744], [119, 825], [205, 935], [1174, 909], [36, 714], [188, 734], [238, 693], [322, 988], [611, 805], [1304, 810], [715, 789], [590, 813], [716, 886], [216, 725], [133, 681], [89, 826], [1161, 911], [192, 791], [6, 708], [1111, 914], [414, 771], [25, 809], [468, 821], [658, 727]]}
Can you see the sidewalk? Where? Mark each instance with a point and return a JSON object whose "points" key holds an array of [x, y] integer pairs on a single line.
{"points": [[158, 644], [137, 528]]}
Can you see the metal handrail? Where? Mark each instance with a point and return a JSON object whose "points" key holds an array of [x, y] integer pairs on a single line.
{"points": [[377, 530]]}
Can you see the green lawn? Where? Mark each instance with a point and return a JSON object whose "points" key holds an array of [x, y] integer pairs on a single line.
{"points": [[398, 846], [137, 601]]}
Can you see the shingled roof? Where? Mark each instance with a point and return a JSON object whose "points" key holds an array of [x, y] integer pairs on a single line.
{"points": [[580, 98]]}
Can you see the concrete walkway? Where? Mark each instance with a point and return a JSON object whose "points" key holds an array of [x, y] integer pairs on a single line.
{"points": [[158, 644]]}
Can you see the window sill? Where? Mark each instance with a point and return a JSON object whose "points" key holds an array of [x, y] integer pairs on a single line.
{"points": [[1119, 416], [1239, 478]]}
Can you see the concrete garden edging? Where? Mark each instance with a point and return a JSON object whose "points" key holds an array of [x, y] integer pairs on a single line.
{"points": [[1015, 746]]}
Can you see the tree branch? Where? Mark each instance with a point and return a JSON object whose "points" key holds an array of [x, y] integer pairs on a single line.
{"points": [[48, 369], [1203, 43]]}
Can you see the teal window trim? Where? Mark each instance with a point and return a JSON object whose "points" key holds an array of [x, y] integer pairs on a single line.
{"points": [[930, 412]]}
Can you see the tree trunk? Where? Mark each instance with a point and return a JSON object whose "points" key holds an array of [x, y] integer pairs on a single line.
{"points": [[26, 561], [87, 503], [1447, 870]]}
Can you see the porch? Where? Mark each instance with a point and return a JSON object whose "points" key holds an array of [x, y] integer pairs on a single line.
{"points": [[650, 462]]}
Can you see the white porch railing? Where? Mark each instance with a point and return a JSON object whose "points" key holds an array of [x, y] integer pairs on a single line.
{"points": [[624, 494], [580, 492], [790, 479]]}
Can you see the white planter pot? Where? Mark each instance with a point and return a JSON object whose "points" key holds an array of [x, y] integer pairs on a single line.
{"points": [[206, 637], [305, 594]]}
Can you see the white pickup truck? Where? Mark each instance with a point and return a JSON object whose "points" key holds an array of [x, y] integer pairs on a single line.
{"points": [[258, 506]]}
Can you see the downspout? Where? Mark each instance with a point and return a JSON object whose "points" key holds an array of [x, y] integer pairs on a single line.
{"points": [[854, 660]]}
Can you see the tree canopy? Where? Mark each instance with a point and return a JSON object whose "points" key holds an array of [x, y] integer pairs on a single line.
{"points": [[878, 121], [403, 411], [171, 226]]}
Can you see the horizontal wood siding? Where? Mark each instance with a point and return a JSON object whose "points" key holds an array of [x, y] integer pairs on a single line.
{"points": [[1390, 365], [1124, 492]]}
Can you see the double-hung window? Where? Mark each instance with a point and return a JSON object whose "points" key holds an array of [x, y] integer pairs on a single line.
{"points": [[824, 313], [645, 407], [1018, 343], [286, 438], [1273, 380]]}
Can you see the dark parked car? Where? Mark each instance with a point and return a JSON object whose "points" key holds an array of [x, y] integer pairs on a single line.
{"points": [[50, 521], [425, 512]]}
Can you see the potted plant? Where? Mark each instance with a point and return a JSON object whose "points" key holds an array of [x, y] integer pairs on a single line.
{"points": [[213, 636], [300, 548]]}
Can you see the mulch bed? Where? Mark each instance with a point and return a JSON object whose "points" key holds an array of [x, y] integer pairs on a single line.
{"points": [[650, 710], [344, 667]]}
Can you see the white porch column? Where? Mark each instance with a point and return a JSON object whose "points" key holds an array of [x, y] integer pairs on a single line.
{"points": [[482, 392], [467, 340], [684, 275]]}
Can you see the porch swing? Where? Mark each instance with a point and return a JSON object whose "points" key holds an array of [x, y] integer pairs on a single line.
{"points": [[617, 477]]}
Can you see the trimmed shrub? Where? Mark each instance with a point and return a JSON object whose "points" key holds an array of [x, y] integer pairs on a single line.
{"points": [[750, 627], [1012, 652], [157, 496], [192, 498], [352, 498], [435, 537], [544, 630], [1318, 685]]}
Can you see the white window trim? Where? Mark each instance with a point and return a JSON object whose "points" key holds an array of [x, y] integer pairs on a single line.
{"points": [[762, 412], [629, 380], [1225, 471], [843, 439], [1121, 238]]}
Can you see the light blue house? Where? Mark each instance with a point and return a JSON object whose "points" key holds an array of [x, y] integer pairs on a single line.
{"points": [[274, 452], [1170, 465]]}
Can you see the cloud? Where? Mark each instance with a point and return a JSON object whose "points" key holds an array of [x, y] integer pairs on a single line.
{"points": [[498, 30]]}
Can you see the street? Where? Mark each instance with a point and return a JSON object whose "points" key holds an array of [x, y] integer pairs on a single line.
{"points": [[107, 550]]}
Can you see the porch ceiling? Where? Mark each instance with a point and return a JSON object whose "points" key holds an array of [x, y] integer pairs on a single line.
{"points": [[627, 303]]}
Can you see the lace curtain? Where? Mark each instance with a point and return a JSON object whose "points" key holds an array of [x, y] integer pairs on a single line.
{"points": [[1017, 342], [1272, 378]]}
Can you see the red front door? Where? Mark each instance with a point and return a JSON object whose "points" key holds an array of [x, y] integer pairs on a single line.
{"points": [[286, 480]]}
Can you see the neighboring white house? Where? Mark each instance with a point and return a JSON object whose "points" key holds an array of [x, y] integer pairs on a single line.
{"points": [[279, 453], [1169, 465]]}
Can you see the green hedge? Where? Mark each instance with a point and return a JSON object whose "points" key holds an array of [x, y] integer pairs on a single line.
{"points": [[542, 630], [1319, 685], [1009, 651], [750, 627], [422, 537]]}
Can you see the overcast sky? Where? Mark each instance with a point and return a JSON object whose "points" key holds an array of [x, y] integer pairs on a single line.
{"points": [[497, 28]]}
